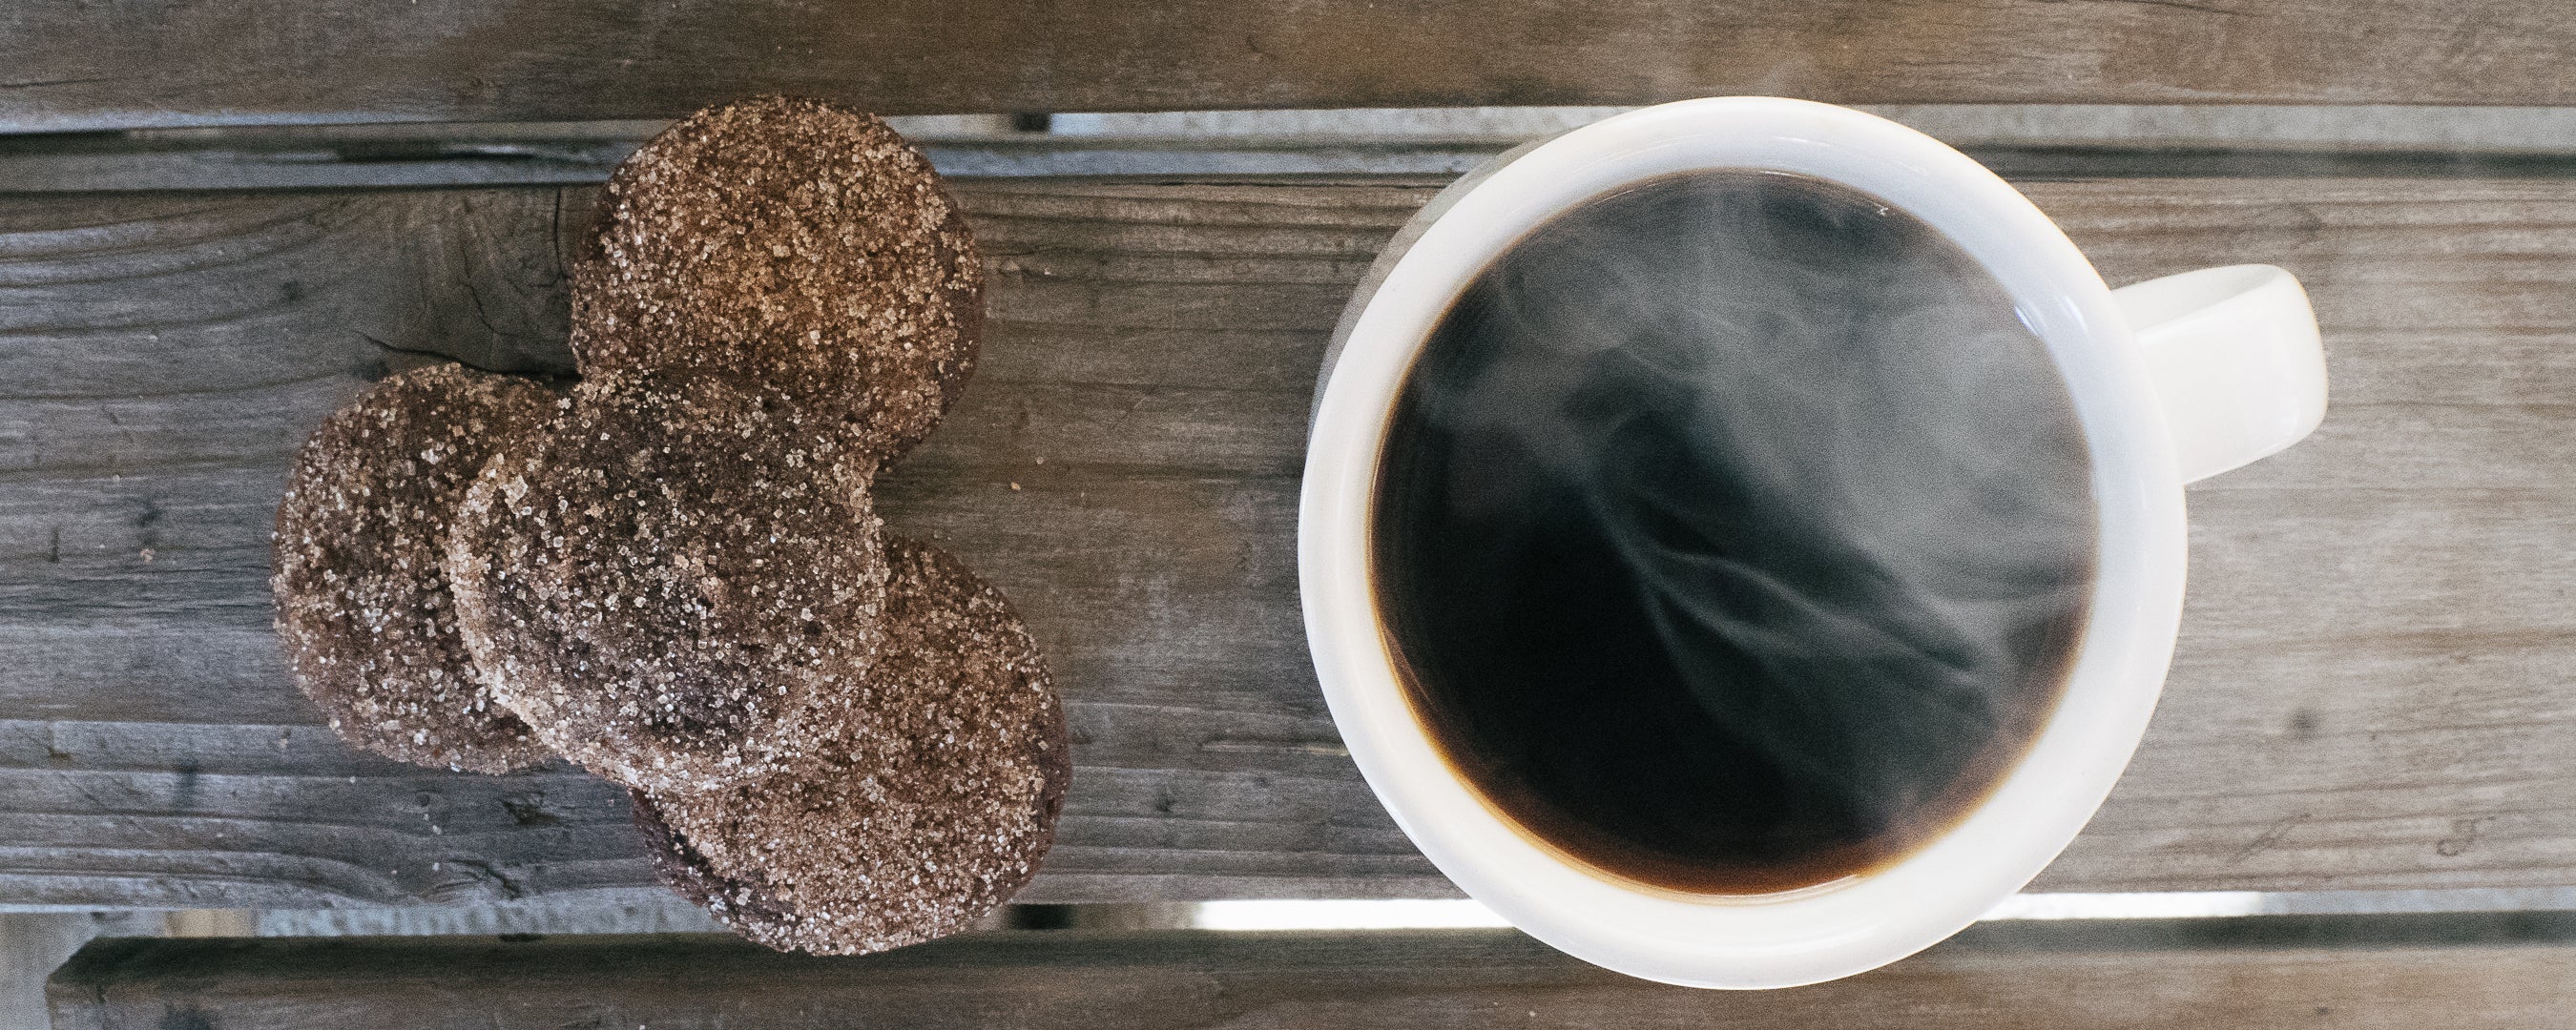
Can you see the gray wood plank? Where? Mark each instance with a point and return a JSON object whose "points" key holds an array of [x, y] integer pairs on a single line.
{"points": [[2312, 974], [80, 66], [444, 154], [2371, 692]]}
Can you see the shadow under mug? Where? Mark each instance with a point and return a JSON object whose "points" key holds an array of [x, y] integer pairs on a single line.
{"points": [[2172, 380]]}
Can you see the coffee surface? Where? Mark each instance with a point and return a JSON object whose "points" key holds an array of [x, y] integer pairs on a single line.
{"points": [[1732, 534]]}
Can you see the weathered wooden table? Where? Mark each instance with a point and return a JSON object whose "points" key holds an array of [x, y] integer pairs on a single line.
{"points": [[2373, 688]]}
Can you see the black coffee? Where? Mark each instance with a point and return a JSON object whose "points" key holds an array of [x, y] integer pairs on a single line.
{"points": [[1732, 533]]}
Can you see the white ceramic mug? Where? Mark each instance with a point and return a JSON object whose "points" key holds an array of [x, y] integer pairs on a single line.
{"points": [[2172, 380]]}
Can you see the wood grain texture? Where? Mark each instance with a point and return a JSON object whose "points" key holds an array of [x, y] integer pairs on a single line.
{"points": [[73, 65], [484, 154], [2396, 974], [2372, 691]]}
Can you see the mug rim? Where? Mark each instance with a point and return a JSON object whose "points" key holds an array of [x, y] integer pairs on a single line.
{"points": [[1864, 921]]}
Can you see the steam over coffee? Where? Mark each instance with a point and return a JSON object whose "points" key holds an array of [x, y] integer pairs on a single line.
{"points": [[1732, 534]]}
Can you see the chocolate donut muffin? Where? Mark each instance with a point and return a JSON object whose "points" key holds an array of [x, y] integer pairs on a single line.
{"points": [[791, 241], [838, 741], [934, 810], [746, 900], [677, 584], [363, 609]]}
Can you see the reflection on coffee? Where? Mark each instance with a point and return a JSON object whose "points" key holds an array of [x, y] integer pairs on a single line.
{"points": [[1732, 534]]}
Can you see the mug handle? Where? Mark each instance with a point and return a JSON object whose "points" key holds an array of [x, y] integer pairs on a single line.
{"points": [[2235, 359]]}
